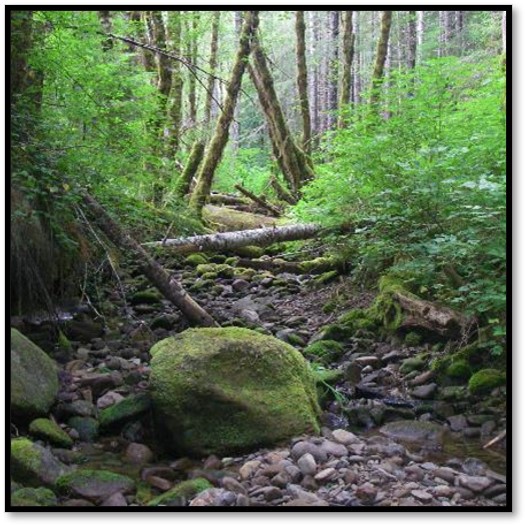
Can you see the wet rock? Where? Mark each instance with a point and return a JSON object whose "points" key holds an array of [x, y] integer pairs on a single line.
{"points": [[457, 423], [422, 495], [344, 437], [239, 285], [414, 431], [333, 449], [33, 465], [216, 498], [249, 469], [108, 399], [306, 447], [326, 475]]}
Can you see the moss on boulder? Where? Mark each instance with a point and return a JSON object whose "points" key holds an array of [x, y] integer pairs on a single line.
{"points": [[181, 493], [411, 364], [459, 369], [94, 484], [33, 497], [49, 431], [129, 408], [221, 270], [220, 390], [485, 380], [195, 259], [34, 379], [34, 465], [146, 297]]}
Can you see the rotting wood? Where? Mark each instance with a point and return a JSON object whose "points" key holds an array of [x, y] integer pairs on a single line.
{"points": [[432, 317], [157, 275], [259, 200], [231, 240]]}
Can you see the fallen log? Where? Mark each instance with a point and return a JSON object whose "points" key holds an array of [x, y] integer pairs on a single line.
{"points": [[158, 276], [260, 201], [421, 314], [319, 265], [282, 194], [231, 240], [495, 440], [224, 198]]}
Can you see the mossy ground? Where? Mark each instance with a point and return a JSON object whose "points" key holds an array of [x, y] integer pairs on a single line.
{"points": [[181, 492], [483, 381]]}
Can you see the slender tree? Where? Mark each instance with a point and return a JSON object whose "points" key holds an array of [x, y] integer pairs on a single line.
{"points": [[175, 106], [212, 67], [333, 71], [348, 57], [220, 137], [412, 39], [314, 85], [381, 54], [302, 78]]}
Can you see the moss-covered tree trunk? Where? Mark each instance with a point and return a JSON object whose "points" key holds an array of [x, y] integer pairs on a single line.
{"points": [[212, 67], [220, 137], [348, 57], [175, 106], [158, 276], [381, 54], [302, 79], [192, 81], [192, 165], [412, 39], [297, 167], [333, 70]]}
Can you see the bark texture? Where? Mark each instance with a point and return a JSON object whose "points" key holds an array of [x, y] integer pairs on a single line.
{"points": [[348, 57], [192, 165], [302, 79], [220, 137], [175, 106], [231, 240], [157, 275], [381, 54]]}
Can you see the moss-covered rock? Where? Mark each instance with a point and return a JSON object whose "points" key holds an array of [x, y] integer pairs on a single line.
{"points": [[485, 380], [459, 369], [195, 259], [33, 465], [181, 493], [34, 379], [325, 351], [94, 485], [244, 273], [49, 431], [412, 339], [411, 364], [218, 390], [146, 297], [250, 252], [220, 270], [87, 427], [33, 497], [129, 408], [327, 277]]}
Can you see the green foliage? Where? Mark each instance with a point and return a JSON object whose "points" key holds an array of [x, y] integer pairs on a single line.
{"points": [[424, 184]]}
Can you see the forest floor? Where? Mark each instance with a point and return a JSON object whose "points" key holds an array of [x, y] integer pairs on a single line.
{"points": [[389, 438]]}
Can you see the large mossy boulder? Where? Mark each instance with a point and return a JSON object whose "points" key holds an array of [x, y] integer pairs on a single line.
{"points": [[221, 390], [34, 378]]}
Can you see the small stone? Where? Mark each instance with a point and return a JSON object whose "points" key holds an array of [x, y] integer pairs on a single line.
{"points": [[475, 483], [159, 483], [281, 480], [249, 468], [368, 360], [212, 462], [328, 474], [302, 447], [425, 391], [138, 454], [232, 485], [240, 284], [457, 423], [443, 491], [422, 495], [115, 500], [294, 473], [422, 378], [344, 437], [334, 449], [445, 473], [307, 464], [309, 483], [108, 399]]}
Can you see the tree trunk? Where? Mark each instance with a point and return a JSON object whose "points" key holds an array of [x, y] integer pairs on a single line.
{"points": [[314, 52], [381, 53], [158, 276], [236, 126], [281, 193], [192, 81], [348, 56], [105, 22], [21, 44], [175, 109], [412, 39], [212, 67], [420, 31], [192, 165], [333, 70], [232, 240], [296, 164], [220, 138], [259, 200], [504, 32], [302, 79]]}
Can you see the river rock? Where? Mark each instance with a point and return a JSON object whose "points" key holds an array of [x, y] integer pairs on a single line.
{"points": [[49, 431], [34, 379], [344, 437], [475, 483], [425, 391], [414, 431], [34, 465], [307, 464], [217, 390], [138, 454]]}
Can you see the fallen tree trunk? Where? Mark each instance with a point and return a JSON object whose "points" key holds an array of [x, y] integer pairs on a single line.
{"points": [[158, 276], [282, 194], [421, 314], [260, 201], [224, 198], [231, 240], [316, 266]]}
